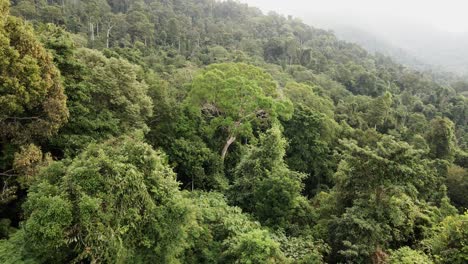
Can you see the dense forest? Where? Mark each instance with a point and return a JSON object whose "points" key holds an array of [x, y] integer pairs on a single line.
{"points": [[203, 131], [443, 60]]}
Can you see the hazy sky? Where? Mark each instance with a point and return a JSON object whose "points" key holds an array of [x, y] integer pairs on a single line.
{"points": [[446, 15]]}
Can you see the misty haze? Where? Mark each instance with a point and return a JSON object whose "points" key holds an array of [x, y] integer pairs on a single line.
{"points": [[429, 35], [233, 132]]}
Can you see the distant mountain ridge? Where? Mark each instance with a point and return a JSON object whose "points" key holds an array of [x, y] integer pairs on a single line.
{"points": [[417, 46], [374, 44]]}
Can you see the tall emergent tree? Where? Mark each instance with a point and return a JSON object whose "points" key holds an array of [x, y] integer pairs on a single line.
{"points": [[441, 138], [106, 98], [382, 195], [265, 186], [31, 95], [32, 101], [117, 202], [235, 95]]}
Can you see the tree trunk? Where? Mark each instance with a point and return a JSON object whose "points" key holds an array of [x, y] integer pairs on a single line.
{"points": [[91, 29], [109, 28], [226, 146], [211, 7]]}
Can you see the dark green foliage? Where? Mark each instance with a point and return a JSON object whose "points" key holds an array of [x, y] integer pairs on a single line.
{"points": [[457, 184], [441, 139], [179, 132], [197, 165], [331, 154], [380, 193], [33, 108], [116, 202], [276, 198], [257, 165], [309, 150], [106, 99], [267, 188]]}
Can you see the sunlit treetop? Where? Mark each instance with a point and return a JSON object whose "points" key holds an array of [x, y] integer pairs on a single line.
{"points": [[233, 95]]}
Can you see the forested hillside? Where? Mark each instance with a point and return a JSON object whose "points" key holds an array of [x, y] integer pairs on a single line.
{"points": [[436, 61], [203, 131]]}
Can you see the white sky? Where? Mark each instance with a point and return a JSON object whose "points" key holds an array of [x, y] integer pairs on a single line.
{"points": [[446, 15]]}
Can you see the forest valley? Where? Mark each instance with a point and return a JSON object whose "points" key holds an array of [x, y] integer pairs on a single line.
{"points": [[203, 131]]}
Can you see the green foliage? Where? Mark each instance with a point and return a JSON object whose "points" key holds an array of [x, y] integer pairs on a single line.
{"points": [[389, 164], [31, 94], [263, 185], [380, 193], [254, 247], [341, 155], [258, 163], [47, 225], [106, 98], [277, 197], [449, 242], [13, 252], [33, 106], [301, 94], [379, 110], [28, 162], [197, 164], [180, 133], [406, 255], [310, 135], [218, 225], [233, 96], [457, 184], [116, 202], [302, 249], [4, 9], [441, 139]]}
